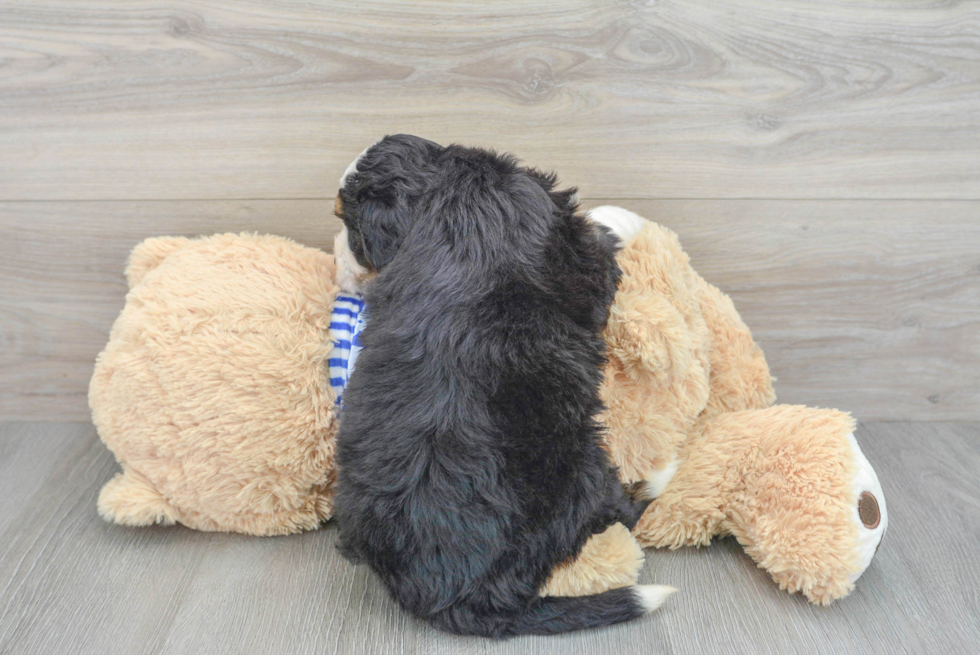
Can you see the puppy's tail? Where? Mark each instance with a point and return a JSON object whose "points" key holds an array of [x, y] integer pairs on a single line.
{"points": [[550, 615], [554, 614]]}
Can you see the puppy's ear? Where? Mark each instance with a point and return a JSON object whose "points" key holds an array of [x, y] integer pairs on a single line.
{"points": [[383, 227]]}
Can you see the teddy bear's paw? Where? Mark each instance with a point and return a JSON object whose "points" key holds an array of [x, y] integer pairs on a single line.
{"points": [[869, 514], [622, 222], [130, 499]]}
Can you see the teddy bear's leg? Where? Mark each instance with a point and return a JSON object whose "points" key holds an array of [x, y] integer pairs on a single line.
{"points": [[608, 560], [689, 510], [148, 254], [790, 484], [130, 499]]}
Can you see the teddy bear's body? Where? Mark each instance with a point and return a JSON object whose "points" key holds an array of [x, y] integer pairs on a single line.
{"points": [[211, 391], [213, 394]]}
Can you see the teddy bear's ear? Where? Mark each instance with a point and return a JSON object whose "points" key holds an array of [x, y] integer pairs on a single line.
{"points": [[645, 332], [149, 254]]}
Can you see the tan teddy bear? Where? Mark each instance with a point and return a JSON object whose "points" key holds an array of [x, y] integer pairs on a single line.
{"points": [[212, 394], [688, 394]]}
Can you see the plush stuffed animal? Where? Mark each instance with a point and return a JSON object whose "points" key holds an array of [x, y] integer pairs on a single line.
{"points": [[214, 395], [211, 390], [689, 400]]}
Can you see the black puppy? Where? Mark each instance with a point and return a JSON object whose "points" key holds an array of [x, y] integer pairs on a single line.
{"points": [[470, 463]]}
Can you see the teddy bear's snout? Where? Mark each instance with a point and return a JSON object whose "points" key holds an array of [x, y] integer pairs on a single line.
{"points": [[870, 514]]}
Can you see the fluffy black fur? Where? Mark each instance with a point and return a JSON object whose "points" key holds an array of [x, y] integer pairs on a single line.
{"points": [[470, 463]]}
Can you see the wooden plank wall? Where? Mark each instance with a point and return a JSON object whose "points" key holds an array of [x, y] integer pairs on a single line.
{"points": [[821, 161]]}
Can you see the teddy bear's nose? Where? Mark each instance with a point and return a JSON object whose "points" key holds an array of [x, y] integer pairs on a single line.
{"points": [[868, 510]]}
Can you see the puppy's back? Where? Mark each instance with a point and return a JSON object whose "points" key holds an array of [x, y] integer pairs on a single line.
{"points": [[470, 463]]}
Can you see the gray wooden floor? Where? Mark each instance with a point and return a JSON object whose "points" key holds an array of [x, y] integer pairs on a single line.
{"points": [[70, 583]]}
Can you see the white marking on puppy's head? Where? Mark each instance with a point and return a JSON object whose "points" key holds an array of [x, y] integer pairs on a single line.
{"points": [[352, 167], [351, 276], [379, 196]]}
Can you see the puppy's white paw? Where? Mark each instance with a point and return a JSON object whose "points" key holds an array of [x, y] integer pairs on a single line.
{"points": [[622, 222], [656, 482], [652, 596]]}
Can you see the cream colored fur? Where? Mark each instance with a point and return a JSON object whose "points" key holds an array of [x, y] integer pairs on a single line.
{"points": [[212, 395], [351, 276], [211, 391], [689, 399]]}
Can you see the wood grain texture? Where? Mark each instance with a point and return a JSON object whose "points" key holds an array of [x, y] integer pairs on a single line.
{"points": [[271, 99], [870, 306], [70, 583]]}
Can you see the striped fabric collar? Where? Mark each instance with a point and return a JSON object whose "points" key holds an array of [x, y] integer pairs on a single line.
{"points": [[346, 324]]}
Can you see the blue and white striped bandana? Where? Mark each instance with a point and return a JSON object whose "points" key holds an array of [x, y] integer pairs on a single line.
{"points": [[346, 325]]}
